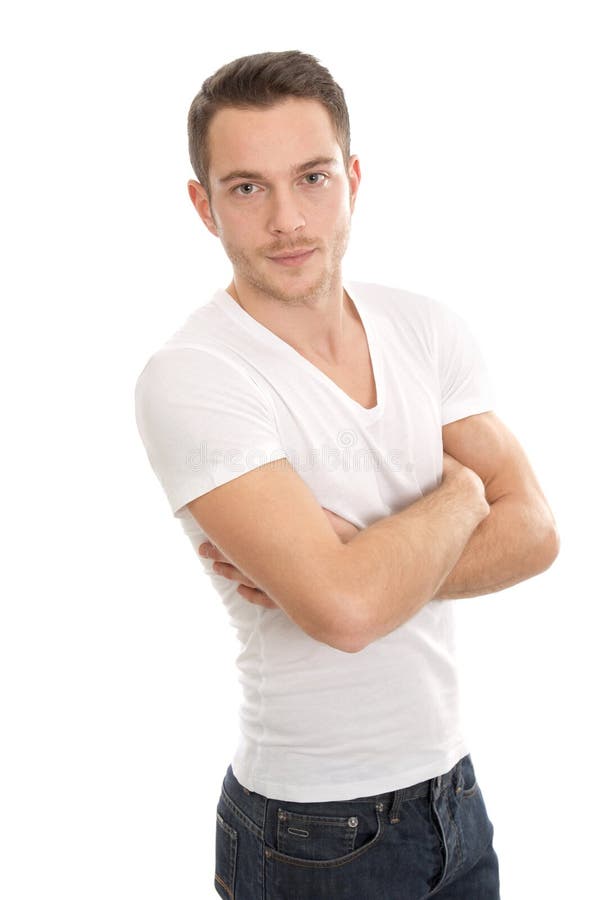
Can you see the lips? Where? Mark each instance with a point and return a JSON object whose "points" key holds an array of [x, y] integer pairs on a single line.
{"points": [[295, 260], [293, 254]]}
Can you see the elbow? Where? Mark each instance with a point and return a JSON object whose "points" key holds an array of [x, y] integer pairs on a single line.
{"points": [[347, 643], [346, 632], [539, 537], [343, 620], [550, 547], [353, 643], [545, 550]]}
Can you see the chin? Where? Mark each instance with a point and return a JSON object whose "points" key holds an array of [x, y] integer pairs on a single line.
{"points": [[301, 289]]}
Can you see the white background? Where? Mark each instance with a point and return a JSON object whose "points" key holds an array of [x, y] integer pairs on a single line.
{"points": [[476, 124]]}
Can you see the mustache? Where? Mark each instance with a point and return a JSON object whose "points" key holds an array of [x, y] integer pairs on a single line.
{"points": [[285, 248]]}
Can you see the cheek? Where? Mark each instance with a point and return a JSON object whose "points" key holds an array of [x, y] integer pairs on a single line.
{"points": [[239, 229], [334, 204]]}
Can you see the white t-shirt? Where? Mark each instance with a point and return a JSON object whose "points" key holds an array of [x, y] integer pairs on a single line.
{"points": [[224, 395]]}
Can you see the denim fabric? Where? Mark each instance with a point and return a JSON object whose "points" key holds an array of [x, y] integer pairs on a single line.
{"points": [[433, 839]]}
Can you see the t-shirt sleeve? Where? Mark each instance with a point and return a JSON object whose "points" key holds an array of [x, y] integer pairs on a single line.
{"points": [[203, 420], [466, 387]]}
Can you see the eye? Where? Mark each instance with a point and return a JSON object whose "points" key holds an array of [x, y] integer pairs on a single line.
{"points": [[236, 190], [316, 175]]}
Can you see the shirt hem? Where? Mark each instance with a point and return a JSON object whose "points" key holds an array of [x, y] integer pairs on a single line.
{"points": [[452, 413], [350, 790]]}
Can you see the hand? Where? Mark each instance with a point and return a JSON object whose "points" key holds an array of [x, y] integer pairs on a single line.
{"points": [[344, 529], [222, 566], [456, 473], [451, 466]]}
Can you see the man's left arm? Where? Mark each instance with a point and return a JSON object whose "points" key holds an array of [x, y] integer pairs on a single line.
{"points": [[519, 538]]}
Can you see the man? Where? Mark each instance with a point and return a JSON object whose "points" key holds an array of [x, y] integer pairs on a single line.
{"points": [[333, 445]]}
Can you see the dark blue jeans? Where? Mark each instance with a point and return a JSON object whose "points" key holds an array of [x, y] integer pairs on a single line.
{"points": [[433, 839]]}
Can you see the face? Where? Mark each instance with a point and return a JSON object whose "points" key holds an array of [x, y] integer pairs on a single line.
{"points": [[279, 186]]}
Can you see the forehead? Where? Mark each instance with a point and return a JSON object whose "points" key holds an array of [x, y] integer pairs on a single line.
{"points": [[270, 139]]}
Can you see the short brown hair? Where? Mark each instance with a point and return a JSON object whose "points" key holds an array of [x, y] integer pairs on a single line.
{"points": [[262, 80]]}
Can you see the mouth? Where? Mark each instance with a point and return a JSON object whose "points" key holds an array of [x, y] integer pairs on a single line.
{"points": [[293, 259]]}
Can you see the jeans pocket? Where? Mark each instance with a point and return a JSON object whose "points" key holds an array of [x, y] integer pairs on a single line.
{"points": [[467, 781], [225, 858], [471, 816], [314, 839]]}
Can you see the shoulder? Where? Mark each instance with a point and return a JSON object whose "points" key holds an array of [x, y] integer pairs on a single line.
{"points": [[200, 351], [388, 301], [187, 372], [412, 317], [420, 313]]}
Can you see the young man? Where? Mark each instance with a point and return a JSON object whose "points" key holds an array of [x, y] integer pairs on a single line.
{"points": [[333, 445]]}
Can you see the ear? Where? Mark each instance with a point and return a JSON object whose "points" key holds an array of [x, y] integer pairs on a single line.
{"points": [[354, 177], [199, 198]]}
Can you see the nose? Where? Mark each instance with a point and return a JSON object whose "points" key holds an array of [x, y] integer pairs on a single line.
{"points": [[285, 215]]}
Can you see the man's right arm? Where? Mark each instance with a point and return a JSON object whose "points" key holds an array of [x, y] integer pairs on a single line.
{"points": [[271, 527]]}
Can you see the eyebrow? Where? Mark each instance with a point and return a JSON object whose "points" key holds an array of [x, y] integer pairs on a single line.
{"points": [[294, 170]]}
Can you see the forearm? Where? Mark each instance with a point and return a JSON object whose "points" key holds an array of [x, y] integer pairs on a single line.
{"points": [[514, 542], [395, 566]]}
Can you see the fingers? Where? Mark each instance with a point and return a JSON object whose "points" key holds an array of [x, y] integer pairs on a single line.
{"points": [[229, 571], [209, 551], [247, 589], [253, 595]]}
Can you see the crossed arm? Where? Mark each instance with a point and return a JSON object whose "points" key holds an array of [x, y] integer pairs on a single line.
{"points": [[517, 540]]}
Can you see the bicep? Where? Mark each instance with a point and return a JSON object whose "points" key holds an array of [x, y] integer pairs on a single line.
{"points": [[485, 444], [270, 525]]}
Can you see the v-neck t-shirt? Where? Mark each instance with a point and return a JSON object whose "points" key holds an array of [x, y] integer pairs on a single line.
{"points": [[224, 395]]}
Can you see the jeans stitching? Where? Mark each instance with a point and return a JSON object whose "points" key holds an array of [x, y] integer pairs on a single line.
{"points": [[270, 853], [460, 873], [230, 835], [236, 811]]}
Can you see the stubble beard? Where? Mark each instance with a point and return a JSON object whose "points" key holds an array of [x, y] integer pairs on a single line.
{"points": [[325, 281]]}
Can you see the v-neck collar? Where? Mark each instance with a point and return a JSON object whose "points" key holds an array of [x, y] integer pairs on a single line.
{"points": [[226, 302]]}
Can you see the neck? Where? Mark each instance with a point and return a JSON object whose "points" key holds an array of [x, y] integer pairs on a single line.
{"points": [[321, 326]]}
